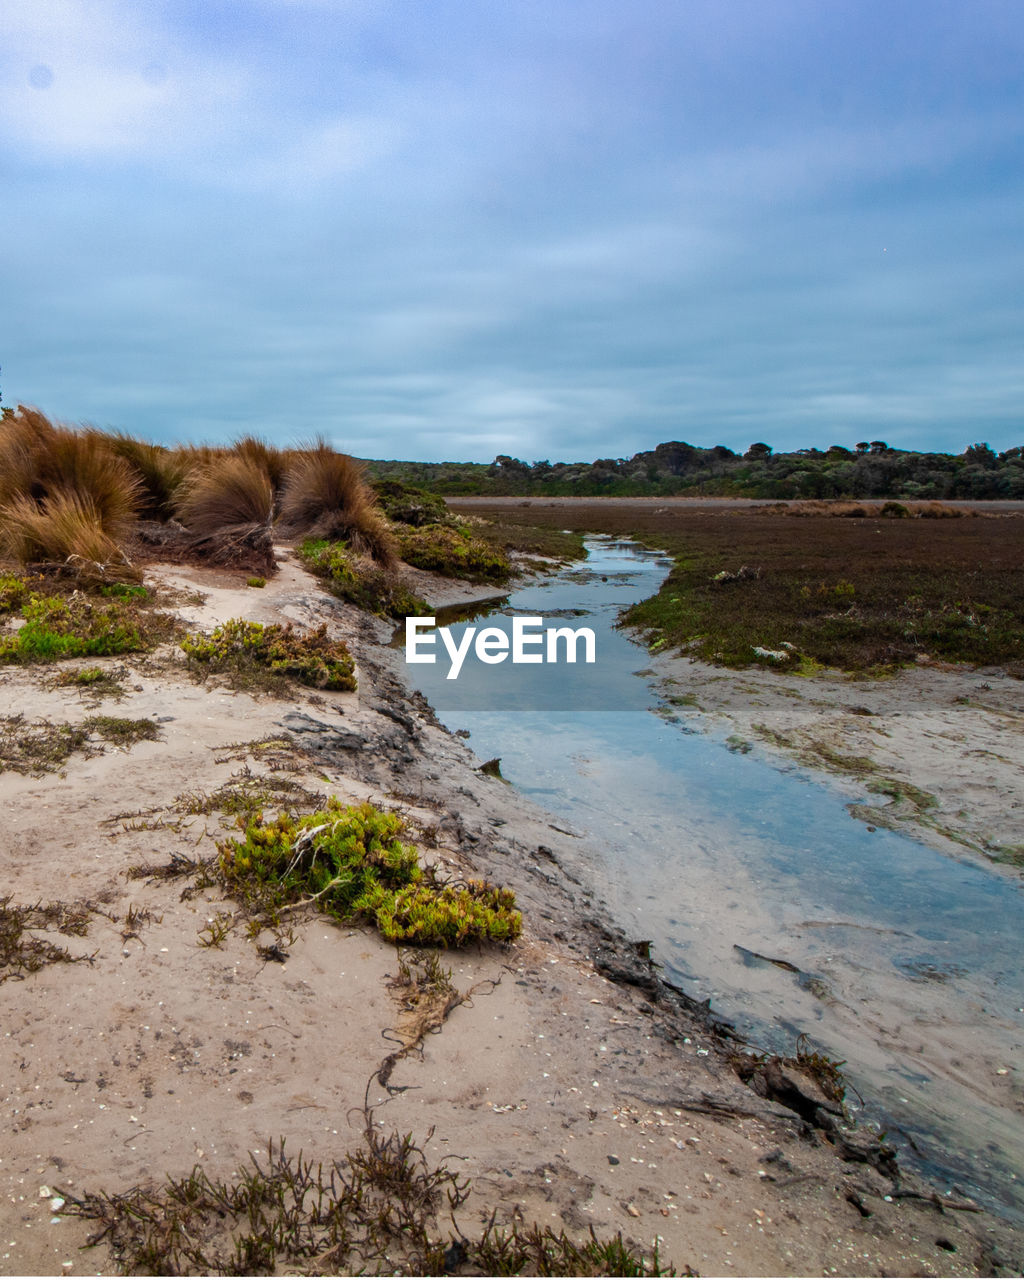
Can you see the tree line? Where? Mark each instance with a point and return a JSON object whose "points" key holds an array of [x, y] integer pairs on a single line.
{"points": [[869, 470]]}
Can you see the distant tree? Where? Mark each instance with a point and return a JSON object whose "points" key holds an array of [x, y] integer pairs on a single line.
{"points": [[878, 446], [675, 456], [979, 455], [862, 446], [758, 452]]}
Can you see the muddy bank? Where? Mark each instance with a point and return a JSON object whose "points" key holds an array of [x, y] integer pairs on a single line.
{"points": [[569, 1083]]}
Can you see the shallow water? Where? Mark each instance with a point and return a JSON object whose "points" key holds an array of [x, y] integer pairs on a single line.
{"points": [[908, 962]]}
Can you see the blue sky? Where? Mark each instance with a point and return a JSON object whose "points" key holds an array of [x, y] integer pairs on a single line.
{"points": [[564, 229]]}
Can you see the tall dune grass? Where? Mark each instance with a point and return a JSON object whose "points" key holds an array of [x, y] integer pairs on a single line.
{"points": [[160, 471], [65, 495], [325, 495], [227, 505], [274, 461]]}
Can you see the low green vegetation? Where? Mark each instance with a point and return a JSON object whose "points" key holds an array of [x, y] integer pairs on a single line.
{"points": [[350, 863], [14, 592], [245, 794], [250, 651], [75, 626], [360, 580], [376, 1211], [454, 552], [406, 504], [865, 594], [535, 541], [778, 616]]}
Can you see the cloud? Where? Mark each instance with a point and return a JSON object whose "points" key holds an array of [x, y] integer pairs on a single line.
{"points": [[545, 230]]}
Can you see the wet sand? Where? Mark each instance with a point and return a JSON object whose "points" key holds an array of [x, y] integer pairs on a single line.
{"points": [[567, 1085]]}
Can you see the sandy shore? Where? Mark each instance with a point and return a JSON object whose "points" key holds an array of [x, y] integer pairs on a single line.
{"points": [[567, 1085]]}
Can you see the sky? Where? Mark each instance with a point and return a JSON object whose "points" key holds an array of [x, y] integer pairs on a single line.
{"points": [[556, 229]]}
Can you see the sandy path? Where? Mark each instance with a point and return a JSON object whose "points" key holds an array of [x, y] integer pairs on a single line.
{"points": [[570, 1098]]}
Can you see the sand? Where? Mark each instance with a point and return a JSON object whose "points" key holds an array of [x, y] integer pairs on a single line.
{"points": [[566, 1097]]}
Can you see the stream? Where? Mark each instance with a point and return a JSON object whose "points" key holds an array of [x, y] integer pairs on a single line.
{"points": [[900, 961]]}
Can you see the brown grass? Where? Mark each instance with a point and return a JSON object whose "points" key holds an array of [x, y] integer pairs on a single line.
{"points": [[38, 459], [274, 461], [227, 505], [65, 528], [326, 496], [66, 497], [160, 472], [869, 510]]}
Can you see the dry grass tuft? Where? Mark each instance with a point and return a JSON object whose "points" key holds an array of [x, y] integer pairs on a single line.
{"points": [[66, 497], [274, 461], [67, 529], [38, 459], [227, 505], [326, 496], [161, 473], [233, 490]]}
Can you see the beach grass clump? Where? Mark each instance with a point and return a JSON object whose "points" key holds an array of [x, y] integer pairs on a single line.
{"points": [[245, 794], [376, 1211], [94, 683], [351, 863], [248, 650], [42, 746], [271, 460], [360, 580], [453, 552], [122, 731], [227, 506], [326, 496], [77, 626], [66, 497], [160, 471]]}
